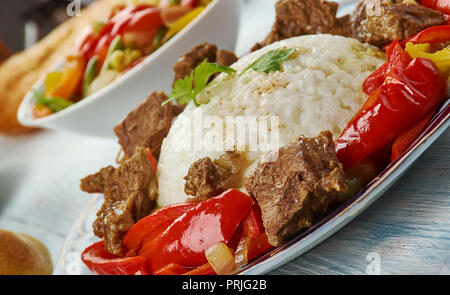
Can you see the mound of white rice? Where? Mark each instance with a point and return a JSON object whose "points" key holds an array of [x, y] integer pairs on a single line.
{"points": [[318, 90]]}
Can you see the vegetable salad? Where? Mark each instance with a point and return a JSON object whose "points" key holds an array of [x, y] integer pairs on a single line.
{"points": [[109, 48]]}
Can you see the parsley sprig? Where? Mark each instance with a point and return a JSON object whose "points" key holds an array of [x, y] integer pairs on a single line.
{"points": [[271, 61], [186, 89]]}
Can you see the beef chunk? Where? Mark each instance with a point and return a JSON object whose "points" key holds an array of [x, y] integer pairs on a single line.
{"points": [[297, 188], [303, 17], [379, 22], [130, 193], [342, 27], [147, 125], [187, 63], [95, 183], [225, 57], [207, 178]]}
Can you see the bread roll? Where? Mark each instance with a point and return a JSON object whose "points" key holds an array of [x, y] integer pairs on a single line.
{"points": [[21, 254]]}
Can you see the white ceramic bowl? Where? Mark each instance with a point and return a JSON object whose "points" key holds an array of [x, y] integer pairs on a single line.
{"points": [[97, 114]]}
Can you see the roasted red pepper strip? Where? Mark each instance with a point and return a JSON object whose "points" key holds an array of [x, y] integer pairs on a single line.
{"points": [[252, 225], [101, 262], [432, 35], [205, 269], [396, 59], [441, 5], [406, 96], [258, 247], [208, 223], [405, 140], [171, 269], [146, 227], [152, 160]]}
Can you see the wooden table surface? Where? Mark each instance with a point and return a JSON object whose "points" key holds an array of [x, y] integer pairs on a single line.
{"points": [[408, 229]]}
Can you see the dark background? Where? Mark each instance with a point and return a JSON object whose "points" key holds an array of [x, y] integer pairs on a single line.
{"points": [[43, 14]]}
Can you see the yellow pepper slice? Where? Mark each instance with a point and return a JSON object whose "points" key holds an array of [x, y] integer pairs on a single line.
{"points": [[205, 2], [182, 22], [51, 81], [440, 58], [71, 76]]}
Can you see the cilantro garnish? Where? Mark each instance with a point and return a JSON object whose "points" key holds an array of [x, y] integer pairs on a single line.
{"points": [[271, 61], [186, 89]]}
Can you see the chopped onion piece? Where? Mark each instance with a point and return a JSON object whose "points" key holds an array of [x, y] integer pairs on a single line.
{"points": [[241, 252], [220, 258]]}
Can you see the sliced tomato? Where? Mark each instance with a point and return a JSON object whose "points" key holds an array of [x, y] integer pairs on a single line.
{"points": [[141, 40], [191, 3], [146, 19], [170, 14]]}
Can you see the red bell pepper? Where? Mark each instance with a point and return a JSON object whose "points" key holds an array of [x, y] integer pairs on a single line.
{"points": [[208, 223], [190, 3], [205, 269], [432, 35], [171, 269], [396, 59], [258, 247], [408, 93], [152, 160], [441, 5], [253, 225], [405, 140], [153, 223], [101, 262]]}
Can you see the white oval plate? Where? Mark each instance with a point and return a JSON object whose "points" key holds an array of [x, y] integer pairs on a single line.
{"points": [[81, 234]]}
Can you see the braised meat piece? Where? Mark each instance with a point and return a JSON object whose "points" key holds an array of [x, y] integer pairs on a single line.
{"points": [[187, 63], [95, 183], [298, 187], [207, 178], [225, 57], [303, 17], [147, 125], [379, 22], [130, 193]]}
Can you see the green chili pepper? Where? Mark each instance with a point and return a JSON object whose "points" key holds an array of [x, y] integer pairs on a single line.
{"points": [[55, 104], [116, 44], [90, 74]]}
